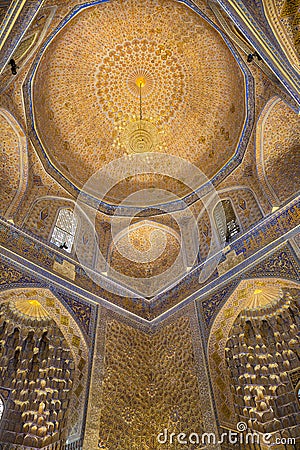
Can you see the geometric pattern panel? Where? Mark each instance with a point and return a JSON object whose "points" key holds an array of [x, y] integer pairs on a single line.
{"points": [[11, 277], [150, 384]]}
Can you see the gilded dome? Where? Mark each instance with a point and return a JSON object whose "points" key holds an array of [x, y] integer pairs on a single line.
{"points": [[127, 77]]}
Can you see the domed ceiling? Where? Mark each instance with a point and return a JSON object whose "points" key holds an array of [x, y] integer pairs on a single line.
{"points": [[127, 77], [146, 257], [145, 251]]}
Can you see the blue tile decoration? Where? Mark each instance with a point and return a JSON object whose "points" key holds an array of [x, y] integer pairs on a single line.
{"points": [[265, 34], [264, 236], [283, 263], [83, 313]]}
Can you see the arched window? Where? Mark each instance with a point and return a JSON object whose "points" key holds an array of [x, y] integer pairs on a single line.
{"points": [[226, 220], [64, 230], [1, 408]]}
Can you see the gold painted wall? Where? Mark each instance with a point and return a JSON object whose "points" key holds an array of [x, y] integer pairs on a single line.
{"points": [[145, 383]]}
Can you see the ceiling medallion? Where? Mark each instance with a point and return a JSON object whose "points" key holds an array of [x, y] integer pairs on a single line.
{"points": [[264, 295], [30, 308], [156, 65], [140, 136], [140, 78]]}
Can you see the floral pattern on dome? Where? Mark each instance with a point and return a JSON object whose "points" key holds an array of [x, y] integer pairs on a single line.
{"points": [[86, 88]]}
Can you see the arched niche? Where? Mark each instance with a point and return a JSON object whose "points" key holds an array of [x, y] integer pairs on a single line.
{"points": [[13, 164], [261, 355], [278, 151], [144, 253], [42, 217], [241, 298], [282, 17], [53, 364], [246, 207], [140, 236]]}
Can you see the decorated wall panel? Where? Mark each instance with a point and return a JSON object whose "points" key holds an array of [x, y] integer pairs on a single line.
{"points": [[146, 382], [278, 150], [13, 163]]}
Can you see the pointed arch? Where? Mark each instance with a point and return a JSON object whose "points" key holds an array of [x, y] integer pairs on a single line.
{"points": [[34, 310], [278, 151], [219, 333], [15, 163]]}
